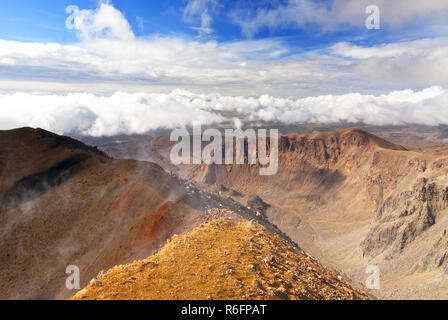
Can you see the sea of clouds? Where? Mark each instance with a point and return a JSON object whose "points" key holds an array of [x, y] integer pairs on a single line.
{"points": [[137, 113]]}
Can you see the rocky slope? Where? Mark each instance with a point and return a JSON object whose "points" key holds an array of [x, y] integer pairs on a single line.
{"points": [[351, 199], [226, 260], [63, 203]]}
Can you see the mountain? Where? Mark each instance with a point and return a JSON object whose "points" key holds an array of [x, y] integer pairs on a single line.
{"points": [[348, 197], [223, 259], [351, 199], [63, 203]]}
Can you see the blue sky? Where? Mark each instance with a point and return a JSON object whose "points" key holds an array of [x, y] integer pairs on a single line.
{"points": [[285, 60], [44, 21], [35, 20]]}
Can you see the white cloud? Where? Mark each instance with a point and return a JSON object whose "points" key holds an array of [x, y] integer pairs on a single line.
{"points": [[202, 10], [339, 14], [125, 113], [426, 107], [422, 61], [103, 22], [244, 67], [392, 50]]}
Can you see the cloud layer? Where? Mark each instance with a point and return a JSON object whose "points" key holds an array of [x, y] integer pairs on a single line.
{"points": [[125, 113], [244, 67]]}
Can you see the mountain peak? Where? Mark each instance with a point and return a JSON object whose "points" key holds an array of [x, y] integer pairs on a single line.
{"points": [[350, 136]]}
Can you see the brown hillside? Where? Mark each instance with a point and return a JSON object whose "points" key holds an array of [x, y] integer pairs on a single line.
{"points": [[222, 259], [63, 203]]}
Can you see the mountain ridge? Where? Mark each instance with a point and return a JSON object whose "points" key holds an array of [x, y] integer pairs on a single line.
{"points": [[222, 259]]}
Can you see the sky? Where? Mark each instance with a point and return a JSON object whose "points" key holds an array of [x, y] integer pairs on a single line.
{"points": [[109, 67]]}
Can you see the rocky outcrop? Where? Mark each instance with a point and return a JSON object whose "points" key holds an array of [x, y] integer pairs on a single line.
{"points": [[437, 257], [327, 149], [403, 217], [258, 205]]}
